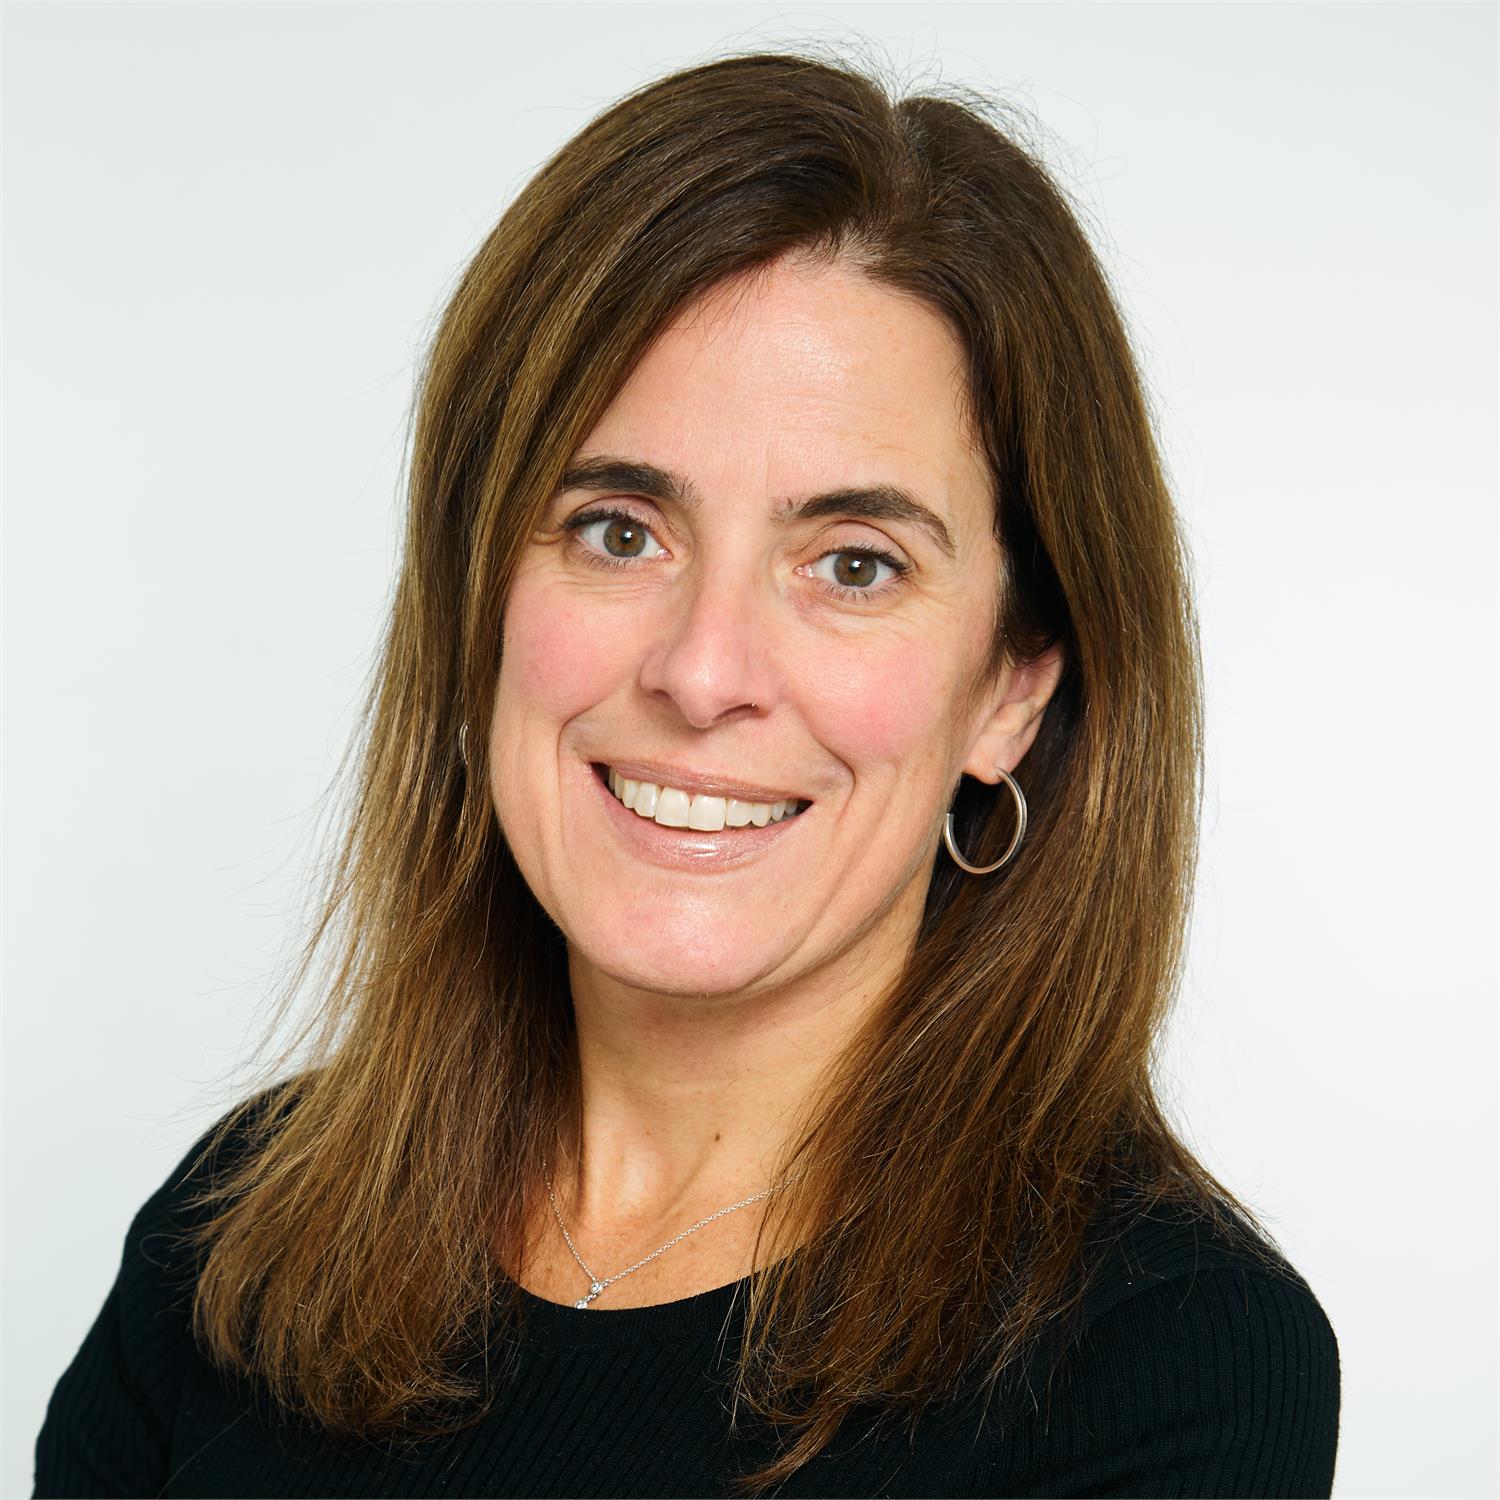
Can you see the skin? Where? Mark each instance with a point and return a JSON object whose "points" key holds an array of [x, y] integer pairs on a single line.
{"points": [[708, 1002]]}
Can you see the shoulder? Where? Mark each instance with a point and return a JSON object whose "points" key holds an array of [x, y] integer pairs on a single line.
{"points": [[110, 1417], [1201, 1362], [158, 1266], [1212, 1287], [216, 1150], [159, 1263], [1132, 1250]]}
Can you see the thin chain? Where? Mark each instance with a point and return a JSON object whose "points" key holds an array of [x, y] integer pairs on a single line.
{"points": [[596, 1286]]}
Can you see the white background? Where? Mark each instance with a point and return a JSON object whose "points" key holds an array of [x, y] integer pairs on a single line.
{"points": [[227, 232]]}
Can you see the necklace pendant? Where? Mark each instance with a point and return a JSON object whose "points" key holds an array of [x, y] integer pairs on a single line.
{"points": [[581, 1302]]}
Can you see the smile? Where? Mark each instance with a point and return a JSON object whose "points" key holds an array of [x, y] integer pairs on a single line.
{"points": [[672, 807], [723, 847]]}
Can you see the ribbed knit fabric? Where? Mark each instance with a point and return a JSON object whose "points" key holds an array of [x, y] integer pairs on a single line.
{"points": [[1197, 1372]]}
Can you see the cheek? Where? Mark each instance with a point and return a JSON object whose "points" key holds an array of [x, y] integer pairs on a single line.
{"points": [[556, 661], [878, 704], [555, 664]]}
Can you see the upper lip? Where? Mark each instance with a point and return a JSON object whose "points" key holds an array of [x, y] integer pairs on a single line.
{"points": [[699, 781]]}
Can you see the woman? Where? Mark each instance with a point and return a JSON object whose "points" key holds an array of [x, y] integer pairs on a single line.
{"points": [[767, 878]]}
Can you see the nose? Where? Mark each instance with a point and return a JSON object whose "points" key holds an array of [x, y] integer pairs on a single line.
{"points": [[712, 657]]}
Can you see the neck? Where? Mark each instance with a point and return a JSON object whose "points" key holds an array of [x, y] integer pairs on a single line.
{"points": [[690, 1103]]}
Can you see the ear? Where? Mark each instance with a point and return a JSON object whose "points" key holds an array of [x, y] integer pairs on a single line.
{"points": [[1015, 714]]}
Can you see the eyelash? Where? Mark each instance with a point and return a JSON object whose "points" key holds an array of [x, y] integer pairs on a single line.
{"points": [[575, 524]]}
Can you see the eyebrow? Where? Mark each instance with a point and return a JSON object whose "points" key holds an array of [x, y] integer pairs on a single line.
{"points": [[880, 502]]}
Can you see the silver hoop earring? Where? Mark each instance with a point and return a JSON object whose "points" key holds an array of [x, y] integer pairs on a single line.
{"points": [[463, 742], [1015, 838]]}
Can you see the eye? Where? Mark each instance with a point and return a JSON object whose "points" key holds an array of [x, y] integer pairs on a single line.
{"points": [[855, 572], [608, 536], [621, 536]]}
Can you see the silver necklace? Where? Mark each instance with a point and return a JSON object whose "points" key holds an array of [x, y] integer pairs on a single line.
{"points": [[596, 1286]]}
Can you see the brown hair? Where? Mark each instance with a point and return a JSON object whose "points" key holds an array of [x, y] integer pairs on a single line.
{"points": [[1003, 1088]]}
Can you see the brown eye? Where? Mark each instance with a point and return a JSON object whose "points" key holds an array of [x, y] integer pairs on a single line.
{"points": [[854, 569], [624, 538], [611, 536], [860, 574]]}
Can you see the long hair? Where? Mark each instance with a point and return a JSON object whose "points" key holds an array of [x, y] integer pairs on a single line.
{"points": [[1002, 1089]]}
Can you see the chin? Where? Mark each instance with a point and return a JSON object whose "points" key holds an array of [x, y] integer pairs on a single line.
{"points": [[687, 970]]}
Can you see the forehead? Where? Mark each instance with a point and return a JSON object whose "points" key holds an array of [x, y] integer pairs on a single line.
{"points": [[802, 379]]}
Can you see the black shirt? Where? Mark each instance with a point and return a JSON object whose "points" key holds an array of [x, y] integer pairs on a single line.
{"points": [[1199, 1372]]}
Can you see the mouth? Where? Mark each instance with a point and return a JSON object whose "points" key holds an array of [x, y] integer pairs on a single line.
{"points": [[697, 832], [703, 812]]}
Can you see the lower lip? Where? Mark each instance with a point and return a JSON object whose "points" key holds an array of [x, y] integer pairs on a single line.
{"points": [[689, 848]]}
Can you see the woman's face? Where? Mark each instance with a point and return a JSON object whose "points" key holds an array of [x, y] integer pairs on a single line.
{"points": [[687, 617]]}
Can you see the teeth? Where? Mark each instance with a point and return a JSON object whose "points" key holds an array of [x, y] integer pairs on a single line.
{"points": [[673, 808], [707, 813]]}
